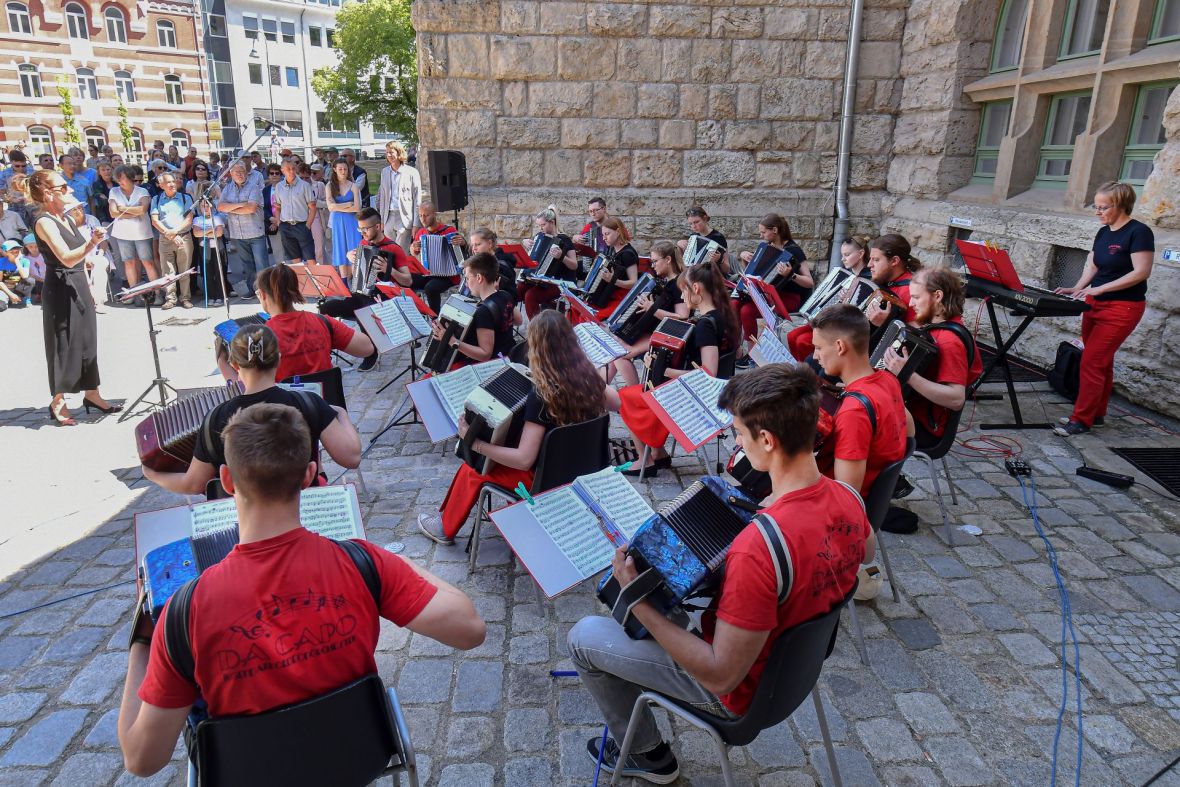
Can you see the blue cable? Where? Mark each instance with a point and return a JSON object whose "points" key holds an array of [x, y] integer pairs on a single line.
{"points": [[1066, 624]]}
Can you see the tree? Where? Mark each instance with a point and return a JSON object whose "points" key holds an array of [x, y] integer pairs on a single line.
{"points": [[69, 126], [125, 127], [377, 78]]}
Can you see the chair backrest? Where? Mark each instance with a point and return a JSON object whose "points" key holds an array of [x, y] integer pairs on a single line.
{"points": [[791, 671], [347, 736], [881, 493], [727, 365], [520, 352], [331, 380], [571, 451], [943, 446]]}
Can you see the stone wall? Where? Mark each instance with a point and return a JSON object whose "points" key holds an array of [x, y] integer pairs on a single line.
{"points": [[658, 106]]}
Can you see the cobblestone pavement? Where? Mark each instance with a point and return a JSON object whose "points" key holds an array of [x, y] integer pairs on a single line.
{"points": [[965, 679]]}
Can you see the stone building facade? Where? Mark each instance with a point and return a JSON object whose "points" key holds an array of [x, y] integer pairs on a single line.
{"points": [[735, 105]]}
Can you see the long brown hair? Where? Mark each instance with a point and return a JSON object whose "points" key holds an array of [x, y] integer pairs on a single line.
{"points": [[613, 224], [939, 279], [894, 245], [709, 277], [773, 221], [565, 379], [666, 248], [281, 286], [334, 182]]}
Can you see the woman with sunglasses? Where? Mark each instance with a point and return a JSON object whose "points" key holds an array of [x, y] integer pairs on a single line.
{"points": [[202, 182], [71, 330]]}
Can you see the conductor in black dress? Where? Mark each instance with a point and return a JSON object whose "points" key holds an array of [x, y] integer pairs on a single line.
{"points": [[71, 331]]}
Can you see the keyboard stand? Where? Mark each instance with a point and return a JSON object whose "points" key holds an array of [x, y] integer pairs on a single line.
{"points": [[1001, 359]]}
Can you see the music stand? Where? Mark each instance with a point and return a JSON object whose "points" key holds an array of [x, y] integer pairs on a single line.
{"points": [[160, 382], [319, 281], [519, 254], [990, 263]]}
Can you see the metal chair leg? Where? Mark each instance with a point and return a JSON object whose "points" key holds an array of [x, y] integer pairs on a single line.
{"points": [[473, 542], [723, 753], [628, 737], [946, 522], [888, 568], [946, 469], [857, 633], [643, 461], [360, 480], [823, 729]]}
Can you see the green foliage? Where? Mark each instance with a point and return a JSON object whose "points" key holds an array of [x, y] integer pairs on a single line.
{"points": [[69, 126], [125, 128], [377, 78]]}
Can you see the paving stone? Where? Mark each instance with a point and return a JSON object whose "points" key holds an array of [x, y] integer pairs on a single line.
{"points": [[81, 642], [776, 747], [45, 676], [479, 686], [1107, 732], [1108, 681], [97, 680], [955, 680], [105, 734], [23, 778], [529, 649], [959, 761], [1154, 591], [1027, 649], [926, 713], [948, 567], [44, 743], [88, 768], [887, 740], [527, 730], [807, 723], [1168, 543], [916, 634], [947, 614], [854, 766], [425, 681], [529, 772], [574, 761], [16, 707], [1140, 769], [996, 617], [16, 651], [1011, 549], [468, 737], [911, 776], [894, 666], [576, 706]]}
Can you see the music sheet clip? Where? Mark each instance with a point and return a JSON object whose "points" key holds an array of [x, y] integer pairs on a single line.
{"points": [[524, 493], [623, 467]]}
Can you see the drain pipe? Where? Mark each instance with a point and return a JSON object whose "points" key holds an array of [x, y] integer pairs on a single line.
{"points": [[847, 112]]}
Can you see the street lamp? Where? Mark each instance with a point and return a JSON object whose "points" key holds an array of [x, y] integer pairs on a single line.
{"points": [[270, 85]]}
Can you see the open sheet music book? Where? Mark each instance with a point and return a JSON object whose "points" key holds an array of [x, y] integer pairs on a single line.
{"points": [[687, 405], [570, 533], [576, 304], [599, 344], [127, 293], [393, 323], [754, 287], [770, 350], [440, 399]]}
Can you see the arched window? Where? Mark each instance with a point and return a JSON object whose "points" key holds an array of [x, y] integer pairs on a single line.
{"points": [[18, 18], [116, 25], [172, 89], [87, 84], [166, 34], [1009, 35], [40, 141], [96, 136], [30, 81], [136, 141], [180, 140], [77, 21], [125, 87]]}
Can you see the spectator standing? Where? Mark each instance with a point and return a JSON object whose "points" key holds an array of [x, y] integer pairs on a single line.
{"points": [[311, 175], [399, 196], [294, 203], [172, 216], [202, 182], [78, 181], [241, 202], [357, 174], [344, 202], [129, 206], [209, 257], [18, 165]]}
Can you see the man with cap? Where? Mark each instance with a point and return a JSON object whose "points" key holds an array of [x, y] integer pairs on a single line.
{"points": [[16, 281]]}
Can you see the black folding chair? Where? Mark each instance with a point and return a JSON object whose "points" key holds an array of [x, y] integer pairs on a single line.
{"points": [[939, 451], [351, 736], [520, 352]]}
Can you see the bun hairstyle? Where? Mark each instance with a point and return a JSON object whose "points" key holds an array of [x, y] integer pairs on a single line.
{"points": [[548, 214], [612, 223], [861, 242], [281, 286], [254, 347], [696, 211], [709, 277], [773, 221], [893, 245], [666, 248], [487, 234]]}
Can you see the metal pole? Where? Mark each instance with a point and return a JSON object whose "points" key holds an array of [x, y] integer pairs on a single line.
{"points": [[847, 114]]}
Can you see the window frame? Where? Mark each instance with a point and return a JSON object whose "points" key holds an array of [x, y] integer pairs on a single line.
{"points": [[996, 38], [128, 92], [274, 76], [251, 30], [29, 130], [112, 14], [172, 85], [88, 140], [1048, 152], [137, 141], [270, 35], [180, 133], [23, 17], [315, 36], [88, 74], [1133, 152], [72, 16], [1157, 19], [988, 152], [217, 27], [34, 87], [330, 37], [288, 72], [162, 26], [1067, 32], [283, 34], [251, 69]]}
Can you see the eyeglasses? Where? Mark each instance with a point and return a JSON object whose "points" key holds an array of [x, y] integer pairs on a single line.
{"points": [[1103, 208], [61, 189], [367, 227]]}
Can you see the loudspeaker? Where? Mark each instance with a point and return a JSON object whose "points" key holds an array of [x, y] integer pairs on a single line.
{"points": [[448, 179]]}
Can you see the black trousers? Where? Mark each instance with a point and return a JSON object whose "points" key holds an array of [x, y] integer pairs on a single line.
{"points": [[208, 276], [432, 287], [347, 306]]}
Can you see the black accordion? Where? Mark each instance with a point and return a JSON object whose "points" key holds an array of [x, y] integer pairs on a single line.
{"points": [[167, 438], [495, 414], [917, 343], [679, 551], [541, 253], [455, 318], [627, 321], [598, 290], [755, 484], [669, 348]]}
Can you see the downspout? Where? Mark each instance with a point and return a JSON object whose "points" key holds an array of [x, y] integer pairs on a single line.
{"points": [[308, 142], [847, 113]]}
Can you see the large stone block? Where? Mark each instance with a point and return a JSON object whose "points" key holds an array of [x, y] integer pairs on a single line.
{"points": [[516, 99], [639, 134], [523, 57], [640, 61], [589, 133], [518, 17], [884, 24], [679, 21], [483, 167], [561, 99], [1159, 204], [529, 132], [749, 101], [615, 99], [872, 134], [560, 18], [737, 22], [824, 60], [471, 129], [791, 135], [587, 58], [718, 169], [562, 168], [833, 24], [617, 20], [607, 168], [757, 60], [677, 134], [710, 135], [748, 136], [798, 99], [694, 101], [456, 16], [797, 23], [432, 55], [774, 175], [657, 100], [710, 61], [676, 63], [524, 167], [723, 102], [467, 55], [651, 168], [432, 128]]}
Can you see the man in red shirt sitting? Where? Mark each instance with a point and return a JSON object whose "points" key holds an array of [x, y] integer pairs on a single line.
{"points": [[255, 645], [892, 264], [821, 522], [433, 286], [870, 423]]}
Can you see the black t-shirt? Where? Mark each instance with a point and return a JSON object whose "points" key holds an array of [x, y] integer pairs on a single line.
{"points": [[668, 295], [560, 271], [507, 272], [320, 411], [624, 259], [717, 238], [535, 411], [708, 332], [1112, 256], [494, 313], [797, 259]]}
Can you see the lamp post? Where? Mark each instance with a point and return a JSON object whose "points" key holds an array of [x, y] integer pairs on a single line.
{"points": [[270, 85]]}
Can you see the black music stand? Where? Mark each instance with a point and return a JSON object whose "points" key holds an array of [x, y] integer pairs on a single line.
{"points": [[160, 382], [1002, 347], [398, 418]]}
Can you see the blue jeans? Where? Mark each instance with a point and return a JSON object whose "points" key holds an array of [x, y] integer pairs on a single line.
{"points": [[252, 257]]}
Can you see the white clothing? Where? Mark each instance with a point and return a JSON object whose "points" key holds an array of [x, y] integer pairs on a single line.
{"points": [[131, 227]]}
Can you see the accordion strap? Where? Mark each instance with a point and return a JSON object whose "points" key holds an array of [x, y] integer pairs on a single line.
{"points": [[780, 555], [630, 595]]}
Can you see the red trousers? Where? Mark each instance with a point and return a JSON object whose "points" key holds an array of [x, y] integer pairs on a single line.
{"points": [[464, 492], [748, 313], [1104, 329], [536, 296]]}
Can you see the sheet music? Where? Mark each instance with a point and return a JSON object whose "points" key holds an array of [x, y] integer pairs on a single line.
{"points": [[573, 527], [410, 312], [213, 515], [331, 511], [485, 370], [595, 343], [616, 499], [764, 309], [453, 389], [686, 411], [315, 388], [392, 323], [707, 389], [770, 350]]}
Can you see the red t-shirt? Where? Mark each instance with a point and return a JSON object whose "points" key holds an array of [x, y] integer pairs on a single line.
{"points": [[306, 341], [853, 437], [901, 288], [824, 528], [949, 368], [401, 260], [280, 621]]}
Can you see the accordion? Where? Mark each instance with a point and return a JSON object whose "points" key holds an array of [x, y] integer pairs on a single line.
{"points": [[455, 318], [541, 253], [627, 322], [598, 290], [755, 484], [699, 249], [679, 551], [897, 335], [167, 568], [495, 414], [166, 439], [841, 286], [761, 265], [224, 332], [440, 257], [668, 344], [364, 278]]}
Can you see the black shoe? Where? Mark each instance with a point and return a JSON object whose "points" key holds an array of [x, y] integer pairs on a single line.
{"points": [[657, 766], [744, 363], [899, 520], [903, 488], [650, 472], [110, 408], [1071, 428], [369, 363]]}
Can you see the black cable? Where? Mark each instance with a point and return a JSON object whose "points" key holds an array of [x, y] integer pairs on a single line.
{"points": [[1162, 771], [60, 600]]}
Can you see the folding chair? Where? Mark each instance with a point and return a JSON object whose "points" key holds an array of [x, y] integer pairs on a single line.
{"points": [[939, 451]]}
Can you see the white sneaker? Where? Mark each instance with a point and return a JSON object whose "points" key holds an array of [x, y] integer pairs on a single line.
{"points": [[432, 526]]}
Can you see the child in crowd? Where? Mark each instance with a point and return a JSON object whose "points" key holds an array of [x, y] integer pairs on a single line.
{"points": [[36, 265], [16, 285]]}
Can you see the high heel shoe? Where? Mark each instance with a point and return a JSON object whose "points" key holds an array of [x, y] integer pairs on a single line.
{"points": [[110, 408], [57, 417]]}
